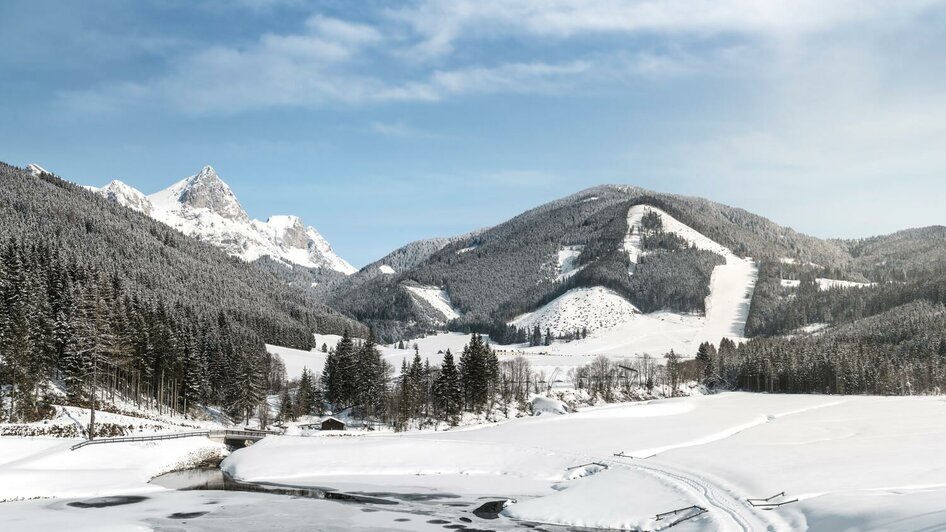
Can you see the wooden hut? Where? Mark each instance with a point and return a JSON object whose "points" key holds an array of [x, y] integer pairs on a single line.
{"points": [[331, 423]]}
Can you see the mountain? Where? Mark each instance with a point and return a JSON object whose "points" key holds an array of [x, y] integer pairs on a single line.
{"points": [[640, 271], [204, 206], [153, 261], [126, 196]]}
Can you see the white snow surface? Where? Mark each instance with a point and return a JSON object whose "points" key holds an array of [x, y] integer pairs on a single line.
{"points": [[203, 206], [855, 463], [384, 268], [36, 170], [46, 467], [436, 298], [568, 262]]}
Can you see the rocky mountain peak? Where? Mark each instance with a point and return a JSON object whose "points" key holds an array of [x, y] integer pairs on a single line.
{"points": [[205, 190]]}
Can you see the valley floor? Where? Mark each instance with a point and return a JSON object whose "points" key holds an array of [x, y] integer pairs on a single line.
{"points": [[853, 463]]}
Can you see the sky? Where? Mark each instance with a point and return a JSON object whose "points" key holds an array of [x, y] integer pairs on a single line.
{"points": [[381, 123]]}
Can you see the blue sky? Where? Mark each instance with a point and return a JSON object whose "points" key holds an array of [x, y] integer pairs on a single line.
{"points": [[381, 123]]}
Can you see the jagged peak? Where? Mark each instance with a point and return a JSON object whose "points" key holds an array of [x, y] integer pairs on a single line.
{"points": [[117, 184], [207, 172], [205, 190]]}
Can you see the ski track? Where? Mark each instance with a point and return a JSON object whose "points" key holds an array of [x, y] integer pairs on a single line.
{"points": [[726, 508], [738, 514], [727, 433]]}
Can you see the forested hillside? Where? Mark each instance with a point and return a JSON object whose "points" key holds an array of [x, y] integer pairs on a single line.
{"points": [[896, 352], [90, 286], [500, 272]]}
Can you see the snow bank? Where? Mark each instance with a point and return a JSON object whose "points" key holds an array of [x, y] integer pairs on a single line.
{"points": [[546, 405], [53, 470]]}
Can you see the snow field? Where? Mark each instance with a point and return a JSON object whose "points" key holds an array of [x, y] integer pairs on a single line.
{"points": [[713, 451], [436, 298], [568, 262]]}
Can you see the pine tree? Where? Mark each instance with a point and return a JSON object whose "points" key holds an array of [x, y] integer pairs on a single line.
{"points": [[474, 373], [249, 391], [705, 358], [370, 385], [339, 374], [447, 390], [536, 338], [305, 394], [286, 408]]}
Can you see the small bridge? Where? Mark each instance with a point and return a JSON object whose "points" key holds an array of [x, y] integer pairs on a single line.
{"points": [[233, 438]]}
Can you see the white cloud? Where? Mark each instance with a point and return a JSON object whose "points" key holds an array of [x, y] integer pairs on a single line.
{"points": [[440, 24], [343, 31]]}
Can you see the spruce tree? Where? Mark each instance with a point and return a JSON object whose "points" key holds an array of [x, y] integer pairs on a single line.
{"points": [[447, 390]]}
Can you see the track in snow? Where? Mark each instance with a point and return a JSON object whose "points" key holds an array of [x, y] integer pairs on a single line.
{"points": [[731, 512]]}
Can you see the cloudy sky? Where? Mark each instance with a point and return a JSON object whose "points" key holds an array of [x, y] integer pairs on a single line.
{"points": [[384, 122]]}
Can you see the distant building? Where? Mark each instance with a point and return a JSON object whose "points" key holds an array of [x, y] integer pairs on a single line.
{"points": [[331, 423]]}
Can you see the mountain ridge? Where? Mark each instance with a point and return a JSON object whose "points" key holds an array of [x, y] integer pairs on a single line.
{"points": [[204, 206]]}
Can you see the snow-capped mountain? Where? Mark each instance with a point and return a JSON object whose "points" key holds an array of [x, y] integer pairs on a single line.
{"points": [[126, 196], [203, 206]]}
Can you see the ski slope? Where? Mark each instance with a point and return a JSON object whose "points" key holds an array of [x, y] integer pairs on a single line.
{"points": [[616, 329]]}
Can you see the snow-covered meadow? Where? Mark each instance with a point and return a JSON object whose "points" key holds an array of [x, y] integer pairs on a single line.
{"points": [[852, 462]]}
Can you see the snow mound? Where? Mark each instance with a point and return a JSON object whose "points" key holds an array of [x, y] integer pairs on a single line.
{"points": [[436, 298], [546, 405], [595, 308], [385, 269]]}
